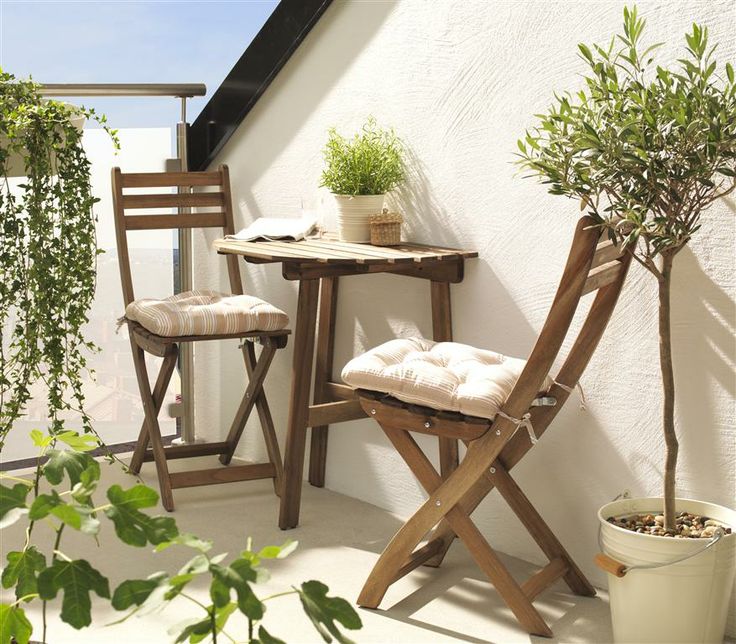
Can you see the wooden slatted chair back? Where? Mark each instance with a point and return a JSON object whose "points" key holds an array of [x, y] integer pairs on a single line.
{"points": [[593, 265], [213, 210]]}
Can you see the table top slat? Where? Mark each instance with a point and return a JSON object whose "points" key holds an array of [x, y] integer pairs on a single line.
{"points": [[366, 251], [328, 249], [331, 251]]}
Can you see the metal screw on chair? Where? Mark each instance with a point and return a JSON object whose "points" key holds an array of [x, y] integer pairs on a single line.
{"points": [[438, 503], [493, 470], [427, 424], [247, 394], [373, 412], [498, 432]]}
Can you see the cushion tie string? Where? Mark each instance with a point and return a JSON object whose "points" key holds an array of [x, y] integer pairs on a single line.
{"points": [[569, 390], [524, 421], [120, 321]]}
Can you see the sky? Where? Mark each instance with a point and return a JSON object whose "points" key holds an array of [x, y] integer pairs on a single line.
{"points": [[129, 41]]}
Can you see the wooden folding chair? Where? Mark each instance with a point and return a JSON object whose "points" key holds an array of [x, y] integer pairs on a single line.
{"points": [[496, 444], [144, 341]]}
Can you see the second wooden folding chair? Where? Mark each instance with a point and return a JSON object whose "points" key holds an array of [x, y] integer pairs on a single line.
{"points": [[158, 327], [499, 407]]}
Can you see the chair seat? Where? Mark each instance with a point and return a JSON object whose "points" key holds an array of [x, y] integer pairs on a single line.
{"points": [[195, 313], [447, 376]]}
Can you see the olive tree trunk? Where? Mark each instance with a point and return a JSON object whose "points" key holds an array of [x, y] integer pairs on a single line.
{"points": [[668, 387]]}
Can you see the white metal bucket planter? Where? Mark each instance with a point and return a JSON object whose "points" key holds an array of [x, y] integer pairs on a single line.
{"points": [[664, 589], [353, 216]]}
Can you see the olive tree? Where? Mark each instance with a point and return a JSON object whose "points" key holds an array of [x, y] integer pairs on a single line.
{"points": [[646, 149]]}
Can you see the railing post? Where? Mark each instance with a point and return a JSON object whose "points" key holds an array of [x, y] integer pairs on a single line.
{"points": [[186, 350]]}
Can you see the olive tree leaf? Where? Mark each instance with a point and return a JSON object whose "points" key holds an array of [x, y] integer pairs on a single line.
{"points": [[21, 571], [12, 503], [76, 579], [324, 611], [14, 625], [132, 526]]}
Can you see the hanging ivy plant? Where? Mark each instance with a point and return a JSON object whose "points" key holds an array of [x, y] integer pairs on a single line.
{"points": [[48, 252]]}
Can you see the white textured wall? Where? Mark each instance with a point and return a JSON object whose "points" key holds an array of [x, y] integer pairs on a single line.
{"points": [[460, 81]]}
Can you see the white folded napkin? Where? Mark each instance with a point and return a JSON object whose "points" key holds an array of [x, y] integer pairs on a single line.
{"points": [[276, 228]]}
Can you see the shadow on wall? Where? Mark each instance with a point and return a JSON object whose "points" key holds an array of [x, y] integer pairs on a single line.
{"points": [[299, 93], [705, 358], [310, 86]]}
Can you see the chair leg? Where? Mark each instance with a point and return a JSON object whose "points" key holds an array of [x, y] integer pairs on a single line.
{"points": [[401, 549], [159, 392], [539, 530], [153, 430], [265, 418], [250, 396], [443, 531]]}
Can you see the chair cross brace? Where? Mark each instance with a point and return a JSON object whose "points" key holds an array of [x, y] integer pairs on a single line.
{"points": [[149, 446], [446, 514]]}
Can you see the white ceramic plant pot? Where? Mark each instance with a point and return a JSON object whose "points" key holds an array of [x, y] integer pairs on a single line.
{"points": [[681, 602], [353, 214], [15, 166]]}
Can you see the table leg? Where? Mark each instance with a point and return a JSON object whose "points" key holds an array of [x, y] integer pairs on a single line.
{"points": [[442, 332], [322, 375], [301, 381]]}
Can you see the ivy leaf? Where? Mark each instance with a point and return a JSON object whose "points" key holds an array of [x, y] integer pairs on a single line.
{"points": [[133, 527], [133, 592], [21, 571], [76, 579], [323, 611], [264, 637], [14, 625], [12, 503], [73, 463]]}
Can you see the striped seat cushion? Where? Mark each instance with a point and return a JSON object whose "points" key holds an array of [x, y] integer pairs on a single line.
{"points": [[206, 313], [446, 375]]}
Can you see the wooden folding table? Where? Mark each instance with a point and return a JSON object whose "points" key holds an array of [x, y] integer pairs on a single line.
{"points": [[318, 264]]}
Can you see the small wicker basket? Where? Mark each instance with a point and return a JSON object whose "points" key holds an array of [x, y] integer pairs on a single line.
{"points": [[386, 228]]}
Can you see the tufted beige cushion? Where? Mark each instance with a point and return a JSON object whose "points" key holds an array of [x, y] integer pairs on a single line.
{"points": [[206, 313], [445, 375]]}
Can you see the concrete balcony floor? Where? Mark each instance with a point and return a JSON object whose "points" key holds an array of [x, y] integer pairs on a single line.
{"points": [[340, 539]]}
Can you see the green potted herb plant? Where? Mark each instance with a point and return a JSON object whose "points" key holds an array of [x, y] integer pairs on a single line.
{"points": [[359, 172], [647, 149]]}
